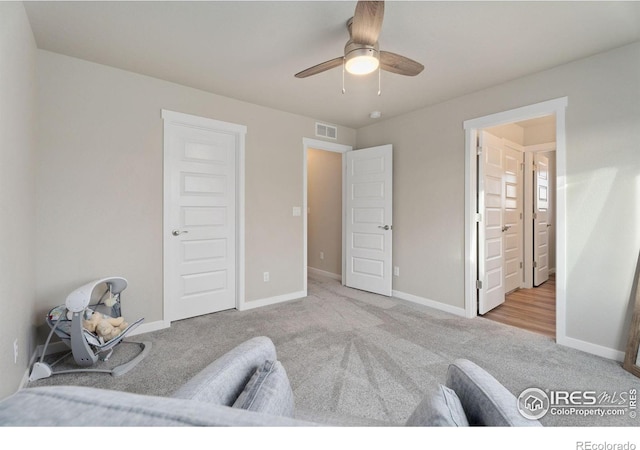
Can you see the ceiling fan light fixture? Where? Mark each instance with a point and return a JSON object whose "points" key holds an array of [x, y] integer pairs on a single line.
{"points": [[362, 61]]}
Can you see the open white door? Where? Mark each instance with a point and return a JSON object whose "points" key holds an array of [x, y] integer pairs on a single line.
{"points": [[491, 203], [200, 216], [513, 212], [369, 206], [541, 221]]}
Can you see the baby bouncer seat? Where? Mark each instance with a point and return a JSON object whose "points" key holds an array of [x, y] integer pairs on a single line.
{"points": [[87, 347]]}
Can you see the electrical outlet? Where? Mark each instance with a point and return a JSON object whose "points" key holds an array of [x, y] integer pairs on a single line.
{"points": [[265, 276], [15, 351], [321, 255], [396, 271]]}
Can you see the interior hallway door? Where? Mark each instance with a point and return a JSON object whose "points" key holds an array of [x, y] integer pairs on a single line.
{"points": [[491, 203], [200, 218], [513, 217], [541, 221], [369, 213]]}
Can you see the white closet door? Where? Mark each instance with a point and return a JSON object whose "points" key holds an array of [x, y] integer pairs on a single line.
{"points": [[200, 220], [369, 211]]}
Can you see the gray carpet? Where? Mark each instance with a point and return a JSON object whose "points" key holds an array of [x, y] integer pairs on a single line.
{"points": [[364, 355]]}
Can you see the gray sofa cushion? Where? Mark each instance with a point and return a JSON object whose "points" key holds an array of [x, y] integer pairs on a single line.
{"points": [[440, 407], [484, 399], [75, 406], [268, 391], [224, 379]]}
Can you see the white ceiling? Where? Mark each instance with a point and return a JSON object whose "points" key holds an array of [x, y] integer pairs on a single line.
{"points": [[251, 50]]}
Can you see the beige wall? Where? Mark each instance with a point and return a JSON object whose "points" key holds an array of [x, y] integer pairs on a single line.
{"points": [[539, 134], [17, 192], [602, 190], [324, 199], [100, 183], [511, 132]]}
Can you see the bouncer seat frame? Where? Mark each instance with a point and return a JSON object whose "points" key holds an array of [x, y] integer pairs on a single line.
{"points": [[66, 321]]}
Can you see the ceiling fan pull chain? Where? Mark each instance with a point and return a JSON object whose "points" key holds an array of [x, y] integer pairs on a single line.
{"points": [[379, 82], [343, 64]]}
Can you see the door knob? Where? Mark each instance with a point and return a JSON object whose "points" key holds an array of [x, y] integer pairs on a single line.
{"points": [[178, 232], [505, 228], [386, 227]]}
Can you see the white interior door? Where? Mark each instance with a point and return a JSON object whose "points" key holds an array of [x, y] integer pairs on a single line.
{"points": [[368, 229], [513, 211], [200, 220], [491, 203], [541, 221]]}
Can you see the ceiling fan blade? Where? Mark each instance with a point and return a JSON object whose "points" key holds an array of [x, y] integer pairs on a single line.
{"points": [[321, 67], [367, 22], [401, 65]]}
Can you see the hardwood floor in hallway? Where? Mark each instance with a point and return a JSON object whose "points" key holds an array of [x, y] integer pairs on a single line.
{"points": [[531, 309]]}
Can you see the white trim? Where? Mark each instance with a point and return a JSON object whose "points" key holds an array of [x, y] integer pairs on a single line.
{"points": [[546, 147], [558, 108], [272, 300], [177, 118], [324, 273], [150, 327], [201, 122], [308, 143], [430, 303], [594, 349]]}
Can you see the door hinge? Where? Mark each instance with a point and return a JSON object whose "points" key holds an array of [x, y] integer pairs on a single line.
{"points": [[520, 216], [535, 264], [478, 150], [521, 264], [478, 284], [535, 216], [478, 217], [521, 167]]}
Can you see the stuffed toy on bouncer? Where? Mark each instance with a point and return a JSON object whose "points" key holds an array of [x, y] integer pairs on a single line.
{"points": [[104, 326]]}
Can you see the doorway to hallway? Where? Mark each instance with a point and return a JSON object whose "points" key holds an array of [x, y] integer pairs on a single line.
{"points": [[531, 309], [474, 265], [516, 198]]}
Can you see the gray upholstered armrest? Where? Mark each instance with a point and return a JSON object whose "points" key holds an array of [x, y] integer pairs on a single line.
{"points": [[224, 379], [484, 399], [75, 406]]}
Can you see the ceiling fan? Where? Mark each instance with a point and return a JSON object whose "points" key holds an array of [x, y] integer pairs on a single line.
{"points": [[361, 52]]}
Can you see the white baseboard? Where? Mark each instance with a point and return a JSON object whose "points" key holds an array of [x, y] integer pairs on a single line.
{"points": [[324, 273], [588, 347], [151, 326], [430, 303], [272, 300]]}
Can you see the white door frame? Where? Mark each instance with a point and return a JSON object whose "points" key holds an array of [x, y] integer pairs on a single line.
{"points": [[316, 144], [171, 117], [471, 127]]}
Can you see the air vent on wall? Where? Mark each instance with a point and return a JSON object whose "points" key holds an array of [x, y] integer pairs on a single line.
{"points": [[327, 131]]}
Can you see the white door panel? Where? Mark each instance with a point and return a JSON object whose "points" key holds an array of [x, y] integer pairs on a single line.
{"points": [[500, 232], [200, 220], [491, 240], [513, 211], [369, 234], [541, 221]]}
